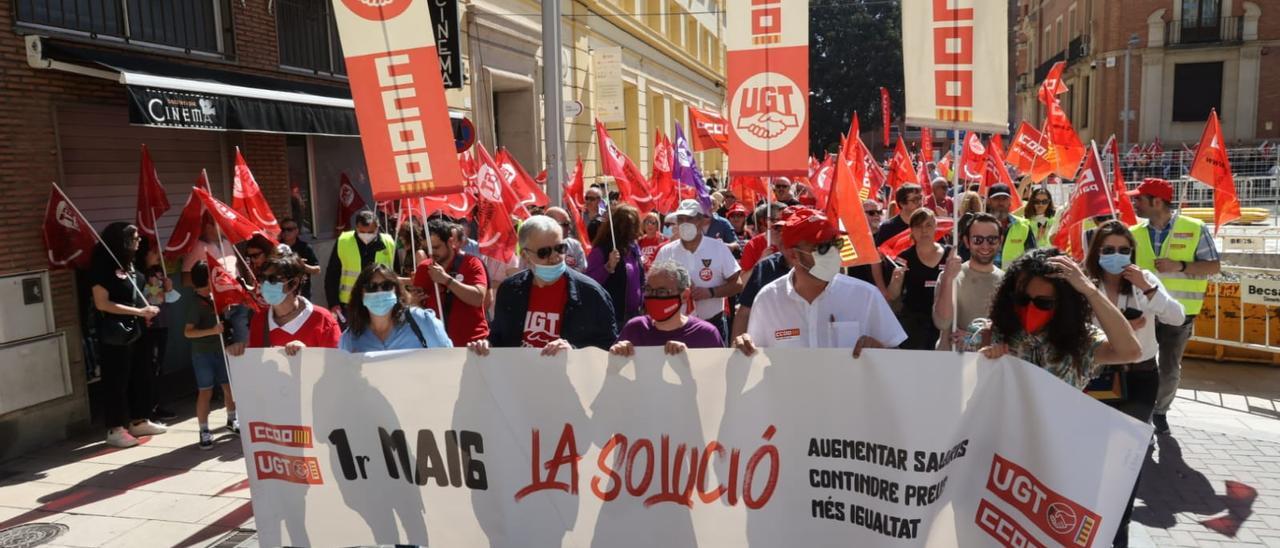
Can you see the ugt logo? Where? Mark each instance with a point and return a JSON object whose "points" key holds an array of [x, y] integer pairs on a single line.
{"points": [[377, 10], [767, 111]]}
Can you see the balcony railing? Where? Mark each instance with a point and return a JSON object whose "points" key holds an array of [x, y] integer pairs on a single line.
{"points": [[189, 25], [1043, 69], [309, 37], [1198, 31]]}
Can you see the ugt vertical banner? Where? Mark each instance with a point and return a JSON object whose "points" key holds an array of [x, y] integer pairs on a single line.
{"points": [[768, 54], [399, 97], [956, 64]]}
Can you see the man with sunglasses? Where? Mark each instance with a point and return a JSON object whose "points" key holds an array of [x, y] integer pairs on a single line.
{"points": [[816, 306], [1182, 253], [1018, 232], [709, 260], [782, 192], [290, 236], [548, 306], [973, 282]]}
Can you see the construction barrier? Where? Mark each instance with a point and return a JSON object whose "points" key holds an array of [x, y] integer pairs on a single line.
{"points": [[1241, 318]]}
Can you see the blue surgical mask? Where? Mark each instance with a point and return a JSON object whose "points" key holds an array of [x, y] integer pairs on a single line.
{"points": [[380, 303], [549, 273], [273, 293], [666, 232], [1113, 263], [172, 296]]}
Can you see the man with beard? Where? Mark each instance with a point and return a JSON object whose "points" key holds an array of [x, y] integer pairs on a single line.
{"points": [[1017, 233], [461, 281], [975, 281]]}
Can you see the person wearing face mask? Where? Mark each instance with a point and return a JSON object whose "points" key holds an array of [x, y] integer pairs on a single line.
{"points": [[815, 306], [972, 283], [355, 250], [291, 320], [381, 318], [917, 279], [763, 273], [664, 322], [1144, 301], [716, 269], [548, 306], [1044, 313], [652, 239], [1017, 232]]}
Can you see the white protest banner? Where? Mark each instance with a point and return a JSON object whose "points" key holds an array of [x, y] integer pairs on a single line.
{"points": [[711, 448], [396, 83], [767, 52], [956, 64], [1260, 291], [609, 105]]}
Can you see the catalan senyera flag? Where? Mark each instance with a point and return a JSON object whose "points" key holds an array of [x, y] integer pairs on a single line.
{"points": [[1212, 167], [768, 92], [956, 63], [394, 72]]}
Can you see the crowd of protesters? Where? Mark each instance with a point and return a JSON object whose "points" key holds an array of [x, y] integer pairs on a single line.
{"points": [[748, 276]]}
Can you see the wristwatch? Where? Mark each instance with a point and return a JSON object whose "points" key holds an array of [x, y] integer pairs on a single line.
{"points": [[1184, 266]]}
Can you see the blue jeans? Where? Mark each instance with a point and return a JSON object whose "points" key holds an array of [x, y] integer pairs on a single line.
{"points": [[210, 370]]}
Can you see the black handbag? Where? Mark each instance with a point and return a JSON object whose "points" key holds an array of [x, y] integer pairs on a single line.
{"points": [[117, 330]]}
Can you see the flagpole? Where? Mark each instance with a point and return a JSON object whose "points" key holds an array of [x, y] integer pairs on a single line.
{"points": [[155, 231], [1106, 185], [106, 247], [422, 202], [955, 230]]}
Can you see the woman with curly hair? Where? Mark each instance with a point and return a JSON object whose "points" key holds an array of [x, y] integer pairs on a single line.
{"points": [[1044, 312]]}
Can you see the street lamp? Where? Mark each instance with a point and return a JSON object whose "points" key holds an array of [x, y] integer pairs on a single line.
{"points": [[1127, 114]]}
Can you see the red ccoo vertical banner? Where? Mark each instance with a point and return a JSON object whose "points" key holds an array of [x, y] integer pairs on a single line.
{"points": [[768, 114], [399, 97]]}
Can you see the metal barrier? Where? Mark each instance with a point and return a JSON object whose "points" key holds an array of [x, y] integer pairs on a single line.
{"points": [[1236, 323]]}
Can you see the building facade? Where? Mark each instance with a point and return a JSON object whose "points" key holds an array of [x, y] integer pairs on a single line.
{"points": [[84, 84], [1184, 58]]}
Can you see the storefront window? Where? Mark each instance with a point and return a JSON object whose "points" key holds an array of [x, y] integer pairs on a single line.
{"points": [[300, 204]]}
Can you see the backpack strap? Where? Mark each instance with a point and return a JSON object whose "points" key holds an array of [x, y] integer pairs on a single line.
{"points": [[417, 329]]}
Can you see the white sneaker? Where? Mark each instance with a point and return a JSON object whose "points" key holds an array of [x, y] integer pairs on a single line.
{"points": [[146, 428], [118, 437]]}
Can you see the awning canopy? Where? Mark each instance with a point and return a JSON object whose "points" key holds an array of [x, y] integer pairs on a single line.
{"points": [[168, 94]]}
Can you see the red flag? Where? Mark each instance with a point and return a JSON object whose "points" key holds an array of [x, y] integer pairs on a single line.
{"points": [[235, 227], [68, 237], [871, 172], [710, 130], [886, 115], [822, 180], [1089, 199], [662, 182], [632, 185], [152, 201], [749, 190], [574, 204], [1029, 152], [457, 205], [994, 171], [974, 158], [1212, 167], [1053, 86], [190, 224], [900, 170], [349, 203], [926, 145], [226, 290], [519, 191], [497, 237], [902, 241], [944, 165], [1065, 142], [467, 163], [247, 198], [1120, 193], [844, 206]]}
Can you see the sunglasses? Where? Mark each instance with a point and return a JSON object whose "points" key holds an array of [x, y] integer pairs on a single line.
{"points": [[872, 212], [1043, 303], [993, 240], [651, 222], [543, 253], [824, 247], [384, 285], [1112, 250], [1039, 202]]}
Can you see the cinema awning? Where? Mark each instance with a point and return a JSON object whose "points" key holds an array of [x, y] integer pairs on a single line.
{"points": [[165, 93]]}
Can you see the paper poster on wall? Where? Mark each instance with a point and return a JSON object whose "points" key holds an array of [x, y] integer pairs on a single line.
{"points": [[609, 107]]}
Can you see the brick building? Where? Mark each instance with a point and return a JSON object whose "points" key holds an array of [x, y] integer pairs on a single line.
{"points": [[1185, 57], [85, 83]]}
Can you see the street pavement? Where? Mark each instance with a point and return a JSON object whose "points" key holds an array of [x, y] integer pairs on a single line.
{"points": [[1214, 482]]}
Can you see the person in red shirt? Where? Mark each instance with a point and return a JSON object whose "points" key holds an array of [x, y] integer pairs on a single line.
{"points": [[652, 238], [938, 201], [461, 281], [764, 244], [290, 320]]}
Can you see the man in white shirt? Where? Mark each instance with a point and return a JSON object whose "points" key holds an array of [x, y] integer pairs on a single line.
{"points": [[709, 261], [815, 306]]}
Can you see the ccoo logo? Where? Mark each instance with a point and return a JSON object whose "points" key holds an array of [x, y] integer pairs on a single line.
{"points": [[377, 10], [767, 111]]}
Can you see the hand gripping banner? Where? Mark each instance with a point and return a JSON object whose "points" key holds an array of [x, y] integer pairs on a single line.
{"points": [[768, 114], [956, 64], [791, 447], [399, 96]]}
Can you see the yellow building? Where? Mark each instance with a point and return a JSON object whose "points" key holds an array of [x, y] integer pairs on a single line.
{"points": [[672, 58]]}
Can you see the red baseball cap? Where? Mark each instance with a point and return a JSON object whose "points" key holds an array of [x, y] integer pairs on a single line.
{"points": [[1158, 188], [736, 209], [807, 225], [785, 214]]}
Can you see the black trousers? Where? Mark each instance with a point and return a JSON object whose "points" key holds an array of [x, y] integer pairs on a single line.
{"points": [[127, 375], [1143, 382], [153, 344]]}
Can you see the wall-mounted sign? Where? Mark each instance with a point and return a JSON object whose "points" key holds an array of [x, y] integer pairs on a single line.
{"points": [[444, 21], [608, 65], [168, 108]]}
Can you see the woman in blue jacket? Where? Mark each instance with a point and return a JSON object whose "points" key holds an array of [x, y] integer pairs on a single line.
{"points": [[381, 318]]}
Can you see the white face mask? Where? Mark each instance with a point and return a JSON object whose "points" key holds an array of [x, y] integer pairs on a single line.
{"points": [[366, 237], [826, 265], [688, 232]]}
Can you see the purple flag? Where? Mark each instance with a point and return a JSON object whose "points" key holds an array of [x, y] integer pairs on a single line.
{"points": [[685, 171]]}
